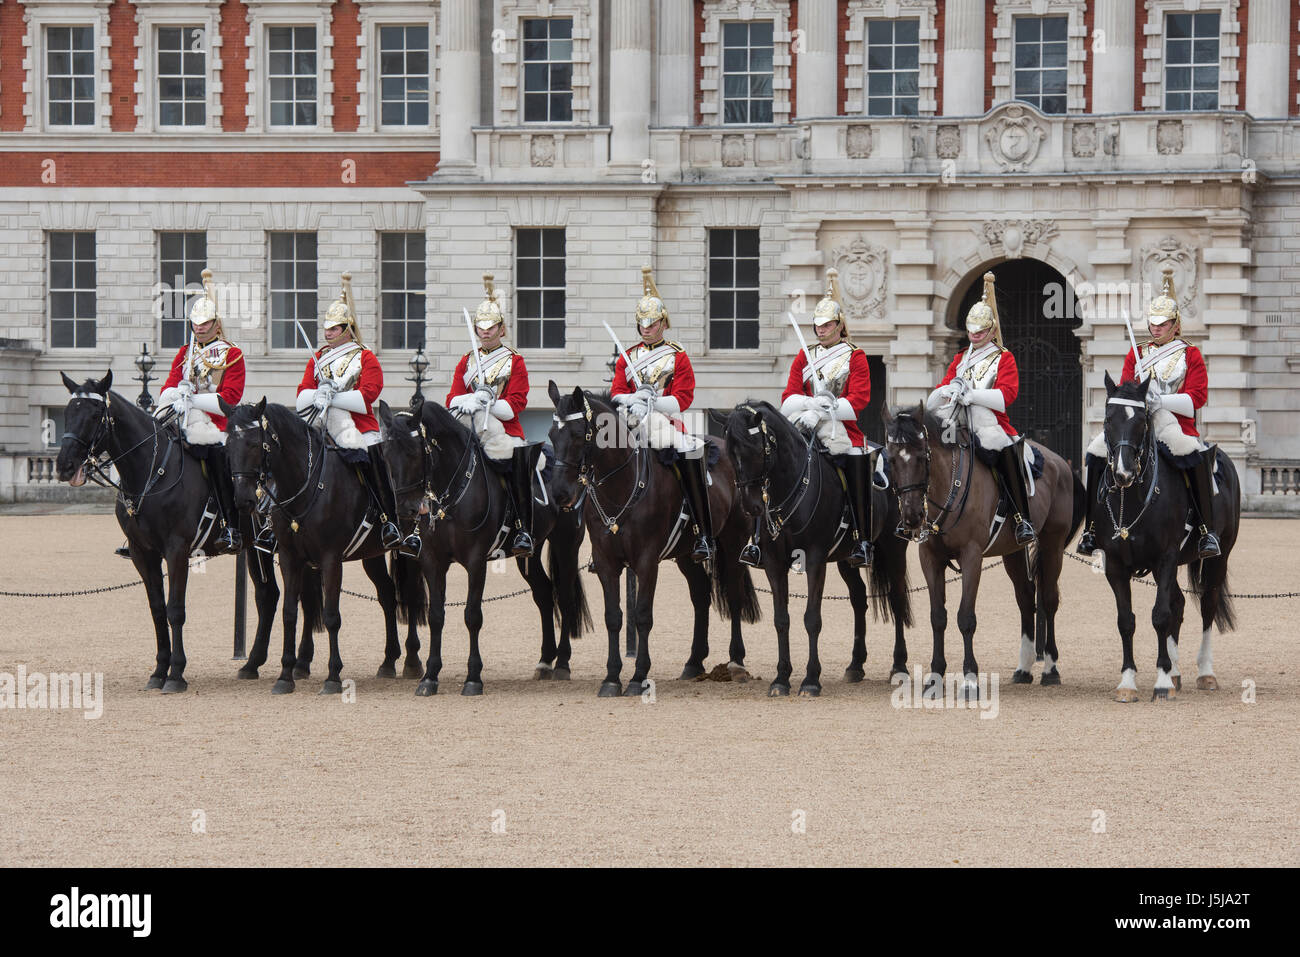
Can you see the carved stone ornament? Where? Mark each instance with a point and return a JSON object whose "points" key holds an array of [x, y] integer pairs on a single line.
{"points": [[1169, 251], [1169, 137], [864, 277], [948, 142], [1083, 139], [1013, 234], [733, 151], [1014, 139], [859, 142], [1231, 136], [541, 151]]}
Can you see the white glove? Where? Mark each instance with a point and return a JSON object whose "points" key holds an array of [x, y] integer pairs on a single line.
{"points": [[667, 405], [185, 385], [623, 398], [844, 411], [989, 398], [464, 403], [1179, 403], [637, 410], [181, 404], [808, 420], [647, 393], [501, 409], [962, 398], [795, 404], [823, 405], [324, 393], [483, 398]]}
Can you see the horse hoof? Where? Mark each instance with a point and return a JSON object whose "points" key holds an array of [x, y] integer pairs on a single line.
{"points": [[426, 689], [561, 674], [471, 689], [970, 691], [543, 672], [810, 691], [301, 671], [854, 675], [634, 689], [282, 686], [690, 672], [1126, 695], [610, 689], [1054, 678], [175, 686], [386, 671], [1019, 677], [778, 689], [1207, 683], [246, 673], [331, 687], [1178, 682], [897, 671], [155, 682], [1164, 694], [738, 672]]}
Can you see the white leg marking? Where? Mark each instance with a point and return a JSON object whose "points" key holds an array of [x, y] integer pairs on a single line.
{"points": [[1205, 658], [1026, 654], [1049, 664], [1172, 647], [970, 687], [1128, 680], [1163, 680]]}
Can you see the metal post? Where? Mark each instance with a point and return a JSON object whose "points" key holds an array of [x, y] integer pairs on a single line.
{"points": [[630, 635], [241, 600]]}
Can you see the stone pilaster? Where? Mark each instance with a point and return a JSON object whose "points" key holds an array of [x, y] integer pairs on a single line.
{"points": [[1112, 65], [1267, 49], [459, 97], [963, 58], [816, 53], [675, 66], [629, 89]]}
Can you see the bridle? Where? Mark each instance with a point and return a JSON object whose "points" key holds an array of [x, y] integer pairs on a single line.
{"points": [[261, 475], [777, 516], [586, 470], [425, 482], [1147, 451], [97, 461], [958, 486]]}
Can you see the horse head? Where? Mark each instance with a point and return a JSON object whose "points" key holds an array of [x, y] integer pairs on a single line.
{"points": [[752, 448], [86, 427], [409, 454], [571, 436], [248, 444], [1127, 428], [907, 443]]}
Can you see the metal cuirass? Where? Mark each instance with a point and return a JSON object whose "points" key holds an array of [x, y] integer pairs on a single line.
{"points": [[497, 366], [980, 370], [832, 364], [206, 364], [654, 365], [1170, 366], [343, 366]]}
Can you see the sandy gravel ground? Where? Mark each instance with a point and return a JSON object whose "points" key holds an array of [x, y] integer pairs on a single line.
{"points": [[710, 773]]}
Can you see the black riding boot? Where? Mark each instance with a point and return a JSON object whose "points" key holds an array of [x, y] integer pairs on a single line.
{"points": [[523, 464], [859, 476], [229, 541], [389, 535], [1202, 488], [124, 551], [1088, 541], [1010, 468], [695, 485]]}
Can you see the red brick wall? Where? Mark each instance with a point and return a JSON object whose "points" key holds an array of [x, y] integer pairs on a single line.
{"points": [[841, 51], [794, 59], [990, 21], [250, 170], [699, 52], [122, 53], [346, 27], [234, 28], [1243, 17], [1139, 61], [1089, 18], [12, 98], [938, 66]]}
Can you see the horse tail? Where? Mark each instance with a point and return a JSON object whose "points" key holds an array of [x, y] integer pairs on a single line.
{"points": [[1080, 507], [1215, 598], [749, 609], [312, 600], [889, 581], [412, 598], [568, 577]]}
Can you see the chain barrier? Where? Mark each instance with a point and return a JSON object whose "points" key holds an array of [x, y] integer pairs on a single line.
{"points": [[67, 594], [448, 604]]}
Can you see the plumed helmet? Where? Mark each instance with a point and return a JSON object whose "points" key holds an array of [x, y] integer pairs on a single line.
{"points": [[342, 311], [489, 311], [829, 307], [650, 307], [204, 308], [1164, 307], [984, 314]]}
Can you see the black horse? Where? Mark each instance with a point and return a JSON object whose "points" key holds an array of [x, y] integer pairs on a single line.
{"points": [[633, 506], [800, 510], [320, 517], [446, 487], [1144, 522], [162, 506]]}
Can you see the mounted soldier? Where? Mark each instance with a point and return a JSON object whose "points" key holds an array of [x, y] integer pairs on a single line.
{"points": [[985, 380], [826, 399], [206, 370], [489, 389], [1179, 385], [340, 383], [665, 387]]}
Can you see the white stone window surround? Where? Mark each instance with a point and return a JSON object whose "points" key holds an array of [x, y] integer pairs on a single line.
{"points": [[374, 14], [1005, 14], [510, 15], [264, 14], [40, 14], [1153, 50], [149, 16], [855, 57], [718, 12]]}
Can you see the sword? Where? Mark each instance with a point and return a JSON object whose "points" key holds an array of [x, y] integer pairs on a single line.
{"points": [[627, 363], [816, 376], [478, 361], [1137, 356]]}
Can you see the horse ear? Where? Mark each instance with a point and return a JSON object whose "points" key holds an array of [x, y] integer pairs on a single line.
{"points": [[1110, 385], [718, 417], [261, 408], [886, 415], [554, 392], [577, 394], [106, 383], [1142, 389], [69, 384], [920, 411], [226, 408], [385, 413]]}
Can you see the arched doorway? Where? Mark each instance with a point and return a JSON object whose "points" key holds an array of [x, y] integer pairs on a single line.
{"points": [[1039, 317]]}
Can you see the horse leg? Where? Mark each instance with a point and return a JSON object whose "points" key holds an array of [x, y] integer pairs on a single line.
{"points": [[543, 590], [736, 583], [1162, 620], [291, 575], [331, 577], [612, 686], [1122, 586], [150, 569], [811, 686], [311, 607], [435, 577], [855, 672], [932, 566], [474, 623], [1177, 604], [376, 570], [970, 586], [1048, 583], [697, 580], [644, 617], [1014, 564], [777, 567], [1214, 573], [178, 573], [894, 551], [266, 595]]}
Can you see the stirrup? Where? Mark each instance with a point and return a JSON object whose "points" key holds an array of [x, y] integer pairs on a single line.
{"points": [[1208, 546], [751, 556], [1087, 543], [124, 552], [704, 550], [411, 545], [229, 542], [389, 535], [861, 555], [1025, 533], [522, 546], [265, 541]]}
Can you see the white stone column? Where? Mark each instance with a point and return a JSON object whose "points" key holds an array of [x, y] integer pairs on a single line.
{"points": [[629, 87], [818, 91], [963, 58], [1112, 65], [1267, 49], [674, 63], [458, 99]]}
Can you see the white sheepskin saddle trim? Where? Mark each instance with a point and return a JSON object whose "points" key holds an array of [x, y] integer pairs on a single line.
{"points": [[662, 434], [200, 429], [1167, 431], [339, 424], [834, 439], [983, 422], [497, 444]]}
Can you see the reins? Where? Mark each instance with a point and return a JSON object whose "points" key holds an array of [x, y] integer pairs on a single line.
{"points": [[97, 466], [1146, 451], [591, 482], [776, 517], [957, 486]]}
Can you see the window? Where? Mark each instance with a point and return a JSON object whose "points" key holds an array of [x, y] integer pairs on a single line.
{"points": [[1041, 62], [401, 290], [293, 290], [548, 71], [70, 75], [292, 75], [181, 260], [404, 76], [182, 76], [747, 72], [72, 290], [733, 289], [539, 288], [893, 67], [1192, 61]]}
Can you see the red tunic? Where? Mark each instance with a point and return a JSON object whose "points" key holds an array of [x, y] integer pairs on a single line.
{"points": [[516, 390], [857, 389], [232, 380], [681, 386], [370, 383], [1196, 384], [1007, 382]]}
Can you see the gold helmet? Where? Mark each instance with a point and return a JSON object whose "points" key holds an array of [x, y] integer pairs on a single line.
{"points": [[343, 311], [1164, 307], [204, 308], [829, 307], [984, 314], [650, 307], [489, 312]]}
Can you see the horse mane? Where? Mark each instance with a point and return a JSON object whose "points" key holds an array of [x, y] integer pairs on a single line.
{"points": [[906, 430], [438, 416]]}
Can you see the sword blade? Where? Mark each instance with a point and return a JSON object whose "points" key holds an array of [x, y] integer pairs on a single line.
{"points": [[627, 363]]}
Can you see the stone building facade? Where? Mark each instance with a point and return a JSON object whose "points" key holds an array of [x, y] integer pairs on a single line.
{"points": [[740, 147]]}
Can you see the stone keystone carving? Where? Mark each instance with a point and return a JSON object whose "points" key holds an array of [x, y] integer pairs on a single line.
{"points": [[733, 151], [1083, 139], [1014, 139], [864, 277], [541, 151], [859, 142], [947, 142], [1013, 234], [1169, 251], [1169, 136]]}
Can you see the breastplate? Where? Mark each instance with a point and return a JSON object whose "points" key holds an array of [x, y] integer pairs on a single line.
{"points": [[497, 366], [654, 365], [1170, 369], [832, 365], [344, 368], [206, 364], [983, 372]]}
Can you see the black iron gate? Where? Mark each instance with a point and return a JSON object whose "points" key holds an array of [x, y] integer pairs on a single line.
{"points": [[1039, 319]]}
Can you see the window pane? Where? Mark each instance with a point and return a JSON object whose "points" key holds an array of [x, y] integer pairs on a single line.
{"points": [[879, 32], [720, 335], [1178, 25], [1026, 55], [1054, 28], [747, 272], [907, 58], [552, 242], [1027, 28], [907, 31], [1178, 78], [1206, 78], [553, 303], [746, 335], [720, 305], [1178, 51]]}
